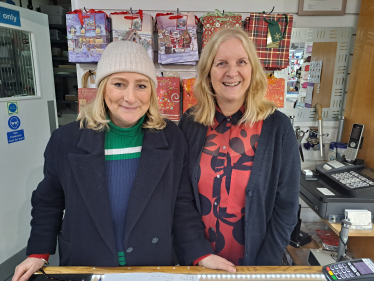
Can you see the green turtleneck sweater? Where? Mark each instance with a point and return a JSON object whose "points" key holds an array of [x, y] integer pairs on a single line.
{"points": [[122, 152]]}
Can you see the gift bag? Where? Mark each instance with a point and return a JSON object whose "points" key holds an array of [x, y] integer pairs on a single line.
{"points": [[189, 99], [168, 93], [88, 35], [272, 35], [85, 94], [212, 22], [275, 90], [177, 38], [137, 27]]}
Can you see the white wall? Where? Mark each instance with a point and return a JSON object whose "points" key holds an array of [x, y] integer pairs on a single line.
{"points": [[350, 19]]}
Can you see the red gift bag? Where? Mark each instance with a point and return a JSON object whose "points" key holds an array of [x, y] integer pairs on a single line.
{"points": [[168, 92], [214, 22], [86, 95], [257, 28], [189, 99], [275, 90]]}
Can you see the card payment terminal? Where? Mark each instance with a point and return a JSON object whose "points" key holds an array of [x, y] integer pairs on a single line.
{"points": [[357, 269]]}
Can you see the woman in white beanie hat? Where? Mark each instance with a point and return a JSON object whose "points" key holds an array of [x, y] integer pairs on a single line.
{"points": [[116, 189]]}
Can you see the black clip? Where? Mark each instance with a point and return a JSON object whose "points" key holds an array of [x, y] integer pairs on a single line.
{"points": [[272, 10], [85, 9], [178, 11], [130, 10]]}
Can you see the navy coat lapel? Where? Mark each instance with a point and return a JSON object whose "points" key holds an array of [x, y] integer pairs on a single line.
{"points": [[89, 171], [152, 165]]}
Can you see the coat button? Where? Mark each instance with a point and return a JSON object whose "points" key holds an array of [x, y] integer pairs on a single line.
{"points": [[155, 240], [129, 250], [249, 193]]}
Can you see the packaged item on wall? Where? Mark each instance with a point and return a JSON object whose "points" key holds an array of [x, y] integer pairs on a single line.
{"points": [[212, 22], [137, 27], [275, 90], [341, 149], [272, 35], [168, 92], [189, 99], [331, 154], [177, 38], [88, 35], [86, 95]]}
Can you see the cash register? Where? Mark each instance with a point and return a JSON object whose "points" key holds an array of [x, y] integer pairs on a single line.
{"points": [[336, 186]]}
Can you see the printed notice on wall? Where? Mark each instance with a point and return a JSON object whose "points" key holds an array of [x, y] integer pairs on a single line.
{"points": [[15, 132], [323, 5]]}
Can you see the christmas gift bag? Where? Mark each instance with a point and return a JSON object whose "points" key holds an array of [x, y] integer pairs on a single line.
{"points": [[177, 38], [275, 90], [189, 99], [86, 95], [272, 35], [168, 93], [212, 22], [137, 27]]}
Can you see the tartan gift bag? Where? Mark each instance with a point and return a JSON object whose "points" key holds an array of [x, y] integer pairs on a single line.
{"points": [[189, 99], [275, 90], [168, 95], [272, 35], [136, 27], [212, 22]]}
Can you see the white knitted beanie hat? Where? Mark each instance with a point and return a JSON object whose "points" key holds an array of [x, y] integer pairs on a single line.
{"points": [[125, 56]]}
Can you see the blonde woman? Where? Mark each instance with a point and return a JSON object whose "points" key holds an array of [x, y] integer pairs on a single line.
{"points": [[243, 159], [115, 190]]}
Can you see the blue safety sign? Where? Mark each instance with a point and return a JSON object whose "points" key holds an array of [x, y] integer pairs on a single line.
{"points": [[9, 16], [12, 107], [14, 122], [15, 136]]}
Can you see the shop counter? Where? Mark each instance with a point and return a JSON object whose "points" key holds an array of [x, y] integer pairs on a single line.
{"points": [[242, 273]]}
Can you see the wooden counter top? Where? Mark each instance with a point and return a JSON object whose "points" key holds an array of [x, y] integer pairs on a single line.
{"points": [[183, 270]]}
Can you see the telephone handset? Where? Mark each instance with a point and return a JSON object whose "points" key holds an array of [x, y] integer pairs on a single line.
{"points": [[354, 142]]}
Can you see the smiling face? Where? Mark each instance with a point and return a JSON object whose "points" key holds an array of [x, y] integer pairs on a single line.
{"points": [[128, 97], [230, 74]]}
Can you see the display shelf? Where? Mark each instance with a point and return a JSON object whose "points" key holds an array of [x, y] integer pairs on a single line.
{"points": [[65, 41], [60, 58], [336, 227], [67, 101], [57, 26]]}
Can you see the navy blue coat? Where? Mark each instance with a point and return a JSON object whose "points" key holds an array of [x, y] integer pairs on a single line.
{"points": [[72, 202], [272, 193]]}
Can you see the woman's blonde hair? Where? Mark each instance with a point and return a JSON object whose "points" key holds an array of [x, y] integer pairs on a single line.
{"points": [[94, 115], [256, 106]]}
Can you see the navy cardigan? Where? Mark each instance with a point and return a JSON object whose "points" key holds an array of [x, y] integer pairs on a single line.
{"points": [[272, 193], [72, 202]]}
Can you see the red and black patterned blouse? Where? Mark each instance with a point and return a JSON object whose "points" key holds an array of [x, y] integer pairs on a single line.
{"points": [[225, 167]]}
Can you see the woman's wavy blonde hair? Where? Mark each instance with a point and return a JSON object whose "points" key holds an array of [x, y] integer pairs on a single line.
{"points": [[93, 115], [256, 106]]}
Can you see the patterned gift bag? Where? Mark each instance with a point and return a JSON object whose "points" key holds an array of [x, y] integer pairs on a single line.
{"points": [[189, 99], [212, 22], [137, 27], [168, 92], [272, 56], [275, 90], [88, 35], [177, 38]]}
